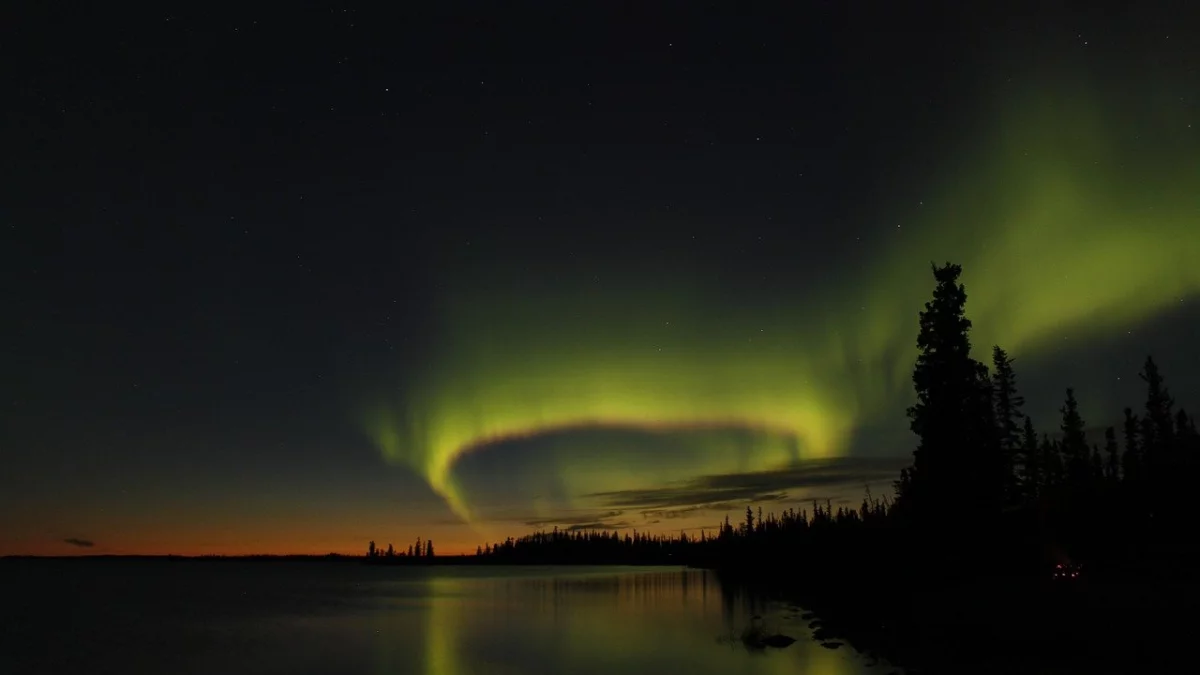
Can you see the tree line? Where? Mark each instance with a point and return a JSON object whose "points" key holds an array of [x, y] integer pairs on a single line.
{"points": [[417, 551]]}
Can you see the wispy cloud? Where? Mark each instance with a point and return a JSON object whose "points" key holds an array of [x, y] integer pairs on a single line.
{"points": [[594, 520], [601, 525], [575, 519], [723, 492], [81, 543]]}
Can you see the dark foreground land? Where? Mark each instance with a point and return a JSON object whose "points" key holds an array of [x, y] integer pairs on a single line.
{"points": [[998, 625], [966, 615]]}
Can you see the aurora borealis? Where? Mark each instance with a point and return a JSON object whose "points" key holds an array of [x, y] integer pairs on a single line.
{"points": [[460, 282], [1067, 223]]}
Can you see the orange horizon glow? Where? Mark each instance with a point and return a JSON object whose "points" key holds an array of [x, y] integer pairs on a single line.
{"points": [[448, 540]]}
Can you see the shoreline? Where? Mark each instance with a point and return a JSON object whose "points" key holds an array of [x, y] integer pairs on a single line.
{"points": [[997, 624]]}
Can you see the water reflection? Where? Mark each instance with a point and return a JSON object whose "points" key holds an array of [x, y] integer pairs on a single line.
{"points": [[233, 618], [592, 621]]}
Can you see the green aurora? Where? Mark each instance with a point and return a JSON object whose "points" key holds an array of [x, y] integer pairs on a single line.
{"points": [[1069, 212]]}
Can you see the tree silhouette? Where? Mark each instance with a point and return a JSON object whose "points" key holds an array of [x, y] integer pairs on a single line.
{"points": [[957, 459], [370, 549], [429, 548], [1157, 425], [1074, 441], [1158, 401], [1008, 404]]}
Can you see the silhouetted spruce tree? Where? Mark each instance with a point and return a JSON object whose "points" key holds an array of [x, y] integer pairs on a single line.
{"points": [[1031, 460], [1074, 442], [1008, 404], [417, 548], [391, 552], [370, 549], [1097, 463], [1112, 466], [429, 548], [957, 462], [1131, 461], [1157, 426], [410, 551]]}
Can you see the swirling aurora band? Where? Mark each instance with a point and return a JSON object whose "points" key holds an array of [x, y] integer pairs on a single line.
{"points": [[1066, 221]]}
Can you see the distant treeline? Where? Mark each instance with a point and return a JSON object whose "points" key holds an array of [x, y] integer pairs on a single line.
{"points": [[420, 551]]}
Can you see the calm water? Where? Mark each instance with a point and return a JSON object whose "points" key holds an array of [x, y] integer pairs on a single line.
{"points": [[167, 618]]}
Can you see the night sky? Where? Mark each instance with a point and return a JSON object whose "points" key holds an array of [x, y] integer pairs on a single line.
{"points": [[289, 281]]}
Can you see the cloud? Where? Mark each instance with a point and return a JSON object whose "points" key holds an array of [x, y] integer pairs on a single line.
{"points": [[81, 543], [723, 492], [575, 520], [595, 520], [613, 525]]}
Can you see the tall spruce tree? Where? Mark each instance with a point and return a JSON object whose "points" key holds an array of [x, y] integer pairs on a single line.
{"points": [[1158, 427], [1008, 404], [957, 462], [1158, 401], [1074, 441]]}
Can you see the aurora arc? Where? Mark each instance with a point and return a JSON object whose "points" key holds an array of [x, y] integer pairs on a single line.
{"points": [[1063, 220]]}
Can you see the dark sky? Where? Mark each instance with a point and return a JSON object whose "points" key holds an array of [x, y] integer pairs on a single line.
{"points": [[291, 280]]}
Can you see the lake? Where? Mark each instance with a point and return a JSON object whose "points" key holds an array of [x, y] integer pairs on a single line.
{"points": [[170, 617]]}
